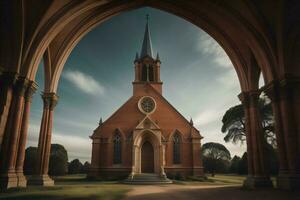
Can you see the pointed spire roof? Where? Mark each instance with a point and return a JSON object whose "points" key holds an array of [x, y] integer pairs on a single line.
{"points": [[191, 122], [147, 45], [157, 57]]}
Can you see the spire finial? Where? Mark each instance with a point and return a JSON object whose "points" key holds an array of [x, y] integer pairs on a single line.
{"points": [[100, 121], [157, 57], [136, 57], [191, 122]]}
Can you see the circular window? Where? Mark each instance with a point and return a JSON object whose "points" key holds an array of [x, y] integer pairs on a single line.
{"points": [[147, 104]]}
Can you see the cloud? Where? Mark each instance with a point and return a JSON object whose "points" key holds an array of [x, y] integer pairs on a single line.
{"points": [[229, 80], [84, 82], [209, 46], [77, 147], [207, 116]]}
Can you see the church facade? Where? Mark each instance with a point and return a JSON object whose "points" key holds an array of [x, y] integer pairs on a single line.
{"points": [[146, 134]]}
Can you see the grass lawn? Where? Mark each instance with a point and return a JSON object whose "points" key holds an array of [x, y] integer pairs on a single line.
{"points": [[69, 187], [77, 187]]}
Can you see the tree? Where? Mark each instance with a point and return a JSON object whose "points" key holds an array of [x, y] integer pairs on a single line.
{"points": [[243, 165], [234, 165], [234, 122], [75, 167], [216, 157], [58, 160], [30, 160], [58, 164], [85, 167]]}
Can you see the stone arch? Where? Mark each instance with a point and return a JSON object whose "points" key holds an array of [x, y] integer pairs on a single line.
{"points": [[55, 31], [155, 140], [173, 133], [243, 36]]}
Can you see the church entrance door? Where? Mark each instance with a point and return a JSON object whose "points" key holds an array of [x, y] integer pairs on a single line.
{"points": [[147, 158]]}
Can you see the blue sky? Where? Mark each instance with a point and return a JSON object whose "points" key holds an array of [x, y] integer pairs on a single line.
{"points": [[199, 79]]}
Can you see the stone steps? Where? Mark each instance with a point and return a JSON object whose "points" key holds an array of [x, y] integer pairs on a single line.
{"points": [[147, 179]]}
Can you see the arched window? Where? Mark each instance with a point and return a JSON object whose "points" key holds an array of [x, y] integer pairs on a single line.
{"points": [[176, 148], [117, 148], [151, 73], [144, 73], [147, 73]]}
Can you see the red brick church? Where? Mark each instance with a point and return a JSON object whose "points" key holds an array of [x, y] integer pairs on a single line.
{"points": [[146, 134]]}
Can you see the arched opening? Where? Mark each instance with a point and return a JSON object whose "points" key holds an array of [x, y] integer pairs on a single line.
{"points": [[176, 149], [147, 158], [117, 140], [232, 47], [148, 73]]}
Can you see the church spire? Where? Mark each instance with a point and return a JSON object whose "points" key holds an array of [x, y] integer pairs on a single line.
{"points": [[147, 45]]}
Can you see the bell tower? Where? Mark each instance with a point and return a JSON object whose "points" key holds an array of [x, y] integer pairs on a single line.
{"points": [[147, 68]]}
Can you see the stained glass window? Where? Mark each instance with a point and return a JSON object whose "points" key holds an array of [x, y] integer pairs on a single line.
{"points": [[176, 148], [117, 148]]}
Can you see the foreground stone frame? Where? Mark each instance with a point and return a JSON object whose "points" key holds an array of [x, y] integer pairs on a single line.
{"points": [[260, 38]]}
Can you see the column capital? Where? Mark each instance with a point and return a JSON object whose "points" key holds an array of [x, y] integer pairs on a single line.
{"points": [[50, 100], [282, 89], [249, 98], [21, 86], [31, 89]]}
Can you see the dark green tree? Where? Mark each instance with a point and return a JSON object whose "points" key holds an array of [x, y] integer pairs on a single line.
{"points": [[30, 160], [85, 167], [216, 157], [75, 167], [58, 164], [243, 165], [58, 160], [234, 165], [234, 122]]}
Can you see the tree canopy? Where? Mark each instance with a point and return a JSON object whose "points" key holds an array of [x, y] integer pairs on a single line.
{"points": [[58, 160], [216, 157], [234, 122], [75, 167], [58, 164]]}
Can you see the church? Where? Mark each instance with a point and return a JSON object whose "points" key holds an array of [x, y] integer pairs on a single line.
{"points": [[146, 135]]}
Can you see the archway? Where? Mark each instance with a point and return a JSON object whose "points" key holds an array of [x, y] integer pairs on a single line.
{"points": [[147, 158], [237, 34], [153, 147]]}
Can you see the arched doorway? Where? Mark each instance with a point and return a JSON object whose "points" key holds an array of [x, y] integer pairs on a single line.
{"points": [[147, 158]]}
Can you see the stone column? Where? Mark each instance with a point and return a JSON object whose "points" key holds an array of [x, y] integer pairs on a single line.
{"points": [[9, 147], [7, 82], [41, 176], [285, 96], [257, 166], [22, 182]]}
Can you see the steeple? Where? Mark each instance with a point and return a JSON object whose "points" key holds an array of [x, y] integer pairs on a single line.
{"points": [[146, 67], [147, 45]]}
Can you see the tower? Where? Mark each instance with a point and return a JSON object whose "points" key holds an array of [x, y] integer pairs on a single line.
{"points": [[147, 68]]}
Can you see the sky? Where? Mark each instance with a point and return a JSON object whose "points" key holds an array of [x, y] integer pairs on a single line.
{"points": [[198, 79]]}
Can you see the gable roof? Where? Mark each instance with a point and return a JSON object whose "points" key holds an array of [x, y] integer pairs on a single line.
{"points": [[152, 124]]}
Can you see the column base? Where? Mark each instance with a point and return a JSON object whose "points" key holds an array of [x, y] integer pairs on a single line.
{"points": [[252, 182], [288, 182], [22, 180], [43, 180], [8, 180]]}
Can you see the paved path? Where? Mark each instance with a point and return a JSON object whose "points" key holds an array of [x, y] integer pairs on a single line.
{"points": [[188, 192]]}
